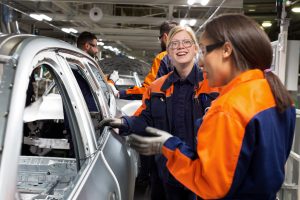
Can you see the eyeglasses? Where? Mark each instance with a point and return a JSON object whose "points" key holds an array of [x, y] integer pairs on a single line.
{"points": [[93, 45], [203, 50], [185, 43]]}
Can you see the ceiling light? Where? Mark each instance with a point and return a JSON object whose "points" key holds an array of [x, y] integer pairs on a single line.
{"points": [[45, 17], [204, 2], [66, 30], [183, 22], [40, 17], [36, 16], [296, 9], [69, 30], [100, 43], [251, 10], [190, 2], [266, 24], [131, 57], [192, 22], [72, 30]]}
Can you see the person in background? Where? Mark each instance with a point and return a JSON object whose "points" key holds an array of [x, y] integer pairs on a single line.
{"points": [[246, 135], [174, 103], [161, 66], [87, 42]]}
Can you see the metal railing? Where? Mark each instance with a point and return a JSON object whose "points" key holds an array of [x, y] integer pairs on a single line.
{"points": [[291, 187]]}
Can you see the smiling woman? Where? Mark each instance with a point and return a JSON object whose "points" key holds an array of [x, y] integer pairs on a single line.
{"points": [[175, 103], [182, 48]]}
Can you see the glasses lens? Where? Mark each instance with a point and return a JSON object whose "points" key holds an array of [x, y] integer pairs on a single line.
{"points": [[174, 44], [187, 43]]}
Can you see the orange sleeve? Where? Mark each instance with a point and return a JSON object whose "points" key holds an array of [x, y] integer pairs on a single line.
{"points": [[146, 96], [151, 76], [210, 175]]}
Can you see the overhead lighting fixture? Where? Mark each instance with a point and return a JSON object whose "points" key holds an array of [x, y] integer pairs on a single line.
{"points": [[204, 2], [192, 22], [266, 24], [100, 43], [296, 9], [252, 10], [36, 16], [72, 30], [69, 30], [131, 57], [40, 17], [47, 18], [288, 3], [190, 2], [183, 22]]}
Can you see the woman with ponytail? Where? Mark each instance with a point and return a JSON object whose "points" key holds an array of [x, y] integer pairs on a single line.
{"points": [[246, 135]]}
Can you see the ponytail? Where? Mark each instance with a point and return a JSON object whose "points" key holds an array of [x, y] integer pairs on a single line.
{"points": [[282, 97]]}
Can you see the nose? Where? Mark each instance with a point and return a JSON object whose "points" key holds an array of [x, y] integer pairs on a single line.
{"points": [[201, 62], [180, 45]]}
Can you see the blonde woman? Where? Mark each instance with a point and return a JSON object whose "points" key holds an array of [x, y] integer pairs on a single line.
{"points": [[175, 103]]}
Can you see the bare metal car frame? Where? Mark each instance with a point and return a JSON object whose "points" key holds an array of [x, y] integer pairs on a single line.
{"points": [[103, 167]]}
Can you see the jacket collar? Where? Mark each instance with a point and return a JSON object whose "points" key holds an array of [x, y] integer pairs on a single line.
{"points": [[242, 78], [194, 78]]}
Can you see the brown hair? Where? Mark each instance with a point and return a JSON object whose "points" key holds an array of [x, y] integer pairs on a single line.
{"points": [[251, 49]]}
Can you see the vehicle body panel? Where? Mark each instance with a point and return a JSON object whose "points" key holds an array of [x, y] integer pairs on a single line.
{"points": [[104, 167]]}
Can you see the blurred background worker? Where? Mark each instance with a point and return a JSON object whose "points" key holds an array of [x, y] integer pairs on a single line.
{"points": [[246, 135], [174, 103], [87, 42], [161, 66]]}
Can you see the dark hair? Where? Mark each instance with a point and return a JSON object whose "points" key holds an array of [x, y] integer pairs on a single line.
{"points": [[166, 26], [251, 49], [85, 37]]}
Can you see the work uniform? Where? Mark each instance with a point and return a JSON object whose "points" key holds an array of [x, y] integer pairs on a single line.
{"points": [[173, 105], [161, 66], [242, 144]]}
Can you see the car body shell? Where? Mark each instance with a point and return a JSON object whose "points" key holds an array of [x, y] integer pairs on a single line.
{"points": [[104, 166]]}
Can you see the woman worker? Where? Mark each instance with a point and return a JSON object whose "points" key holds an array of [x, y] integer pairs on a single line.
{"points": [[246, 135], [174, 103]]}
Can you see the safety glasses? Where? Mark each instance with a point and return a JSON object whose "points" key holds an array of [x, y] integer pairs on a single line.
{"points": [[203, 50]]}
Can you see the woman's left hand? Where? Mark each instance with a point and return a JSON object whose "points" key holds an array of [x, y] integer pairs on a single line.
{"points": [[149, 145]]}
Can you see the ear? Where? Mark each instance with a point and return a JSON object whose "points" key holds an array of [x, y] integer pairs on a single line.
{"points": [[227, 49], [86, 46], [165, 37]]}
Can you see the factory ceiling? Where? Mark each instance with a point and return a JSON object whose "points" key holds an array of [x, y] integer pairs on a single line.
{"points": [[133, 25]]}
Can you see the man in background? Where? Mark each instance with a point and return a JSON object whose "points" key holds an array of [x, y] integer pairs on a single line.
{"points": [[88, 42]]}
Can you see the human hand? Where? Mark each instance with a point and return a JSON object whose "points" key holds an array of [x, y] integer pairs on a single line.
{"points": [[114, 90], [149, 145], [114, 76], [112, 122]]}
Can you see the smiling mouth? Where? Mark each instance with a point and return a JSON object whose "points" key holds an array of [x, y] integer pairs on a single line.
{"points": [[181, 53]]}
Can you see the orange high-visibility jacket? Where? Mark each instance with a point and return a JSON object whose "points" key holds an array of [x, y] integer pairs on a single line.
{"points": [[242, 144], [161, 66]]}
